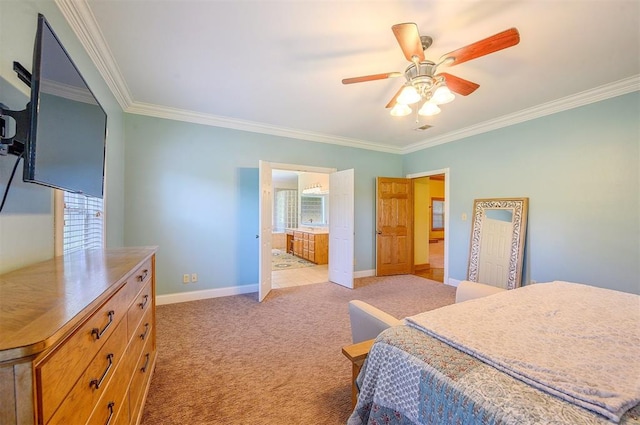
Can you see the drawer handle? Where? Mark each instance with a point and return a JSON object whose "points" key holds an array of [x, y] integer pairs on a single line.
{"points": [[144, 302], [97, 333], [110, 407], [146, 331], [95, 383], [143, 276], [143, 369]]}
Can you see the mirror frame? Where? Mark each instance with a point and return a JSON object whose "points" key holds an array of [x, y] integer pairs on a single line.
{"points": [[520, 207]]}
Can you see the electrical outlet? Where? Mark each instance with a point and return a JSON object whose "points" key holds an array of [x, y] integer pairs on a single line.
{"points": [[185, 278], [194, 277]]}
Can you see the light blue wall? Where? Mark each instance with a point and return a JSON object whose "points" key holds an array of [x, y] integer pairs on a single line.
{"points": [[193, 191], [26, 224], [579, 169]]}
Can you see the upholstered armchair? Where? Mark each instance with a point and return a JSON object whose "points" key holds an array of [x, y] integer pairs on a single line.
{"points": [[368, 321]]}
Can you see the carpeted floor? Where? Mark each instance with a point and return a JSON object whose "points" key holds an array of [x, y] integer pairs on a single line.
{"points": [[233, 360]]}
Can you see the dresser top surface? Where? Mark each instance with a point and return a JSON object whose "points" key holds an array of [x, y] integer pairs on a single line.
{"points": [[40, 301]]}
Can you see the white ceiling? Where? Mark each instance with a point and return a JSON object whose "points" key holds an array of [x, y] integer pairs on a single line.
{"points": [[276, 66]]}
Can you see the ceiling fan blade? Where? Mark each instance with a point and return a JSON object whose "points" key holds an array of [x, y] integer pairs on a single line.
{"points": [[392, 102], [371, 77], [409, 39], [459, 85], [496, 42]]}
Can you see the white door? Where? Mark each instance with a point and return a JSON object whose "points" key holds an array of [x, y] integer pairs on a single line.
{"points": [[494, 252], [266, 212], [341, 227]]}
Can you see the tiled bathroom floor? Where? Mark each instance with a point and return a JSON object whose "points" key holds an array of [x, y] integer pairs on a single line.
{"points": [[299, 276]]}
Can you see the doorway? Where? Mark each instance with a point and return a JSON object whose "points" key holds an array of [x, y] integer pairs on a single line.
{"points": [[412, 225], [429, 234], [299, 199], [431, 224], [340, 230]]}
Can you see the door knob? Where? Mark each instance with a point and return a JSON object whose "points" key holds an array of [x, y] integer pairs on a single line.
{"points": [[379, 232]]}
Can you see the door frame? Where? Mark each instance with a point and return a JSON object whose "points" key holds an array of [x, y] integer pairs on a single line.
{"points": [[264, 283], [447, 191]]}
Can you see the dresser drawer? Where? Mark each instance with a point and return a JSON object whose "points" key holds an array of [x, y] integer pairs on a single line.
{"points": [[123, 416], [114, 402], [141, 376], [78, 405], [141, 304], [141, 276], [142, 334], [60, 370]]}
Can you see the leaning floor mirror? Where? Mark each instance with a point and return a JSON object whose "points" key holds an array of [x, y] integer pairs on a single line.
{"points": [[497, 241]]}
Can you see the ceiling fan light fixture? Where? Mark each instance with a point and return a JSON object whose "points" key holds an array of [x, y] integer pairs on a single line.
{"points": [[429, 109], [400, 110], [409, 95], [442, 95]]}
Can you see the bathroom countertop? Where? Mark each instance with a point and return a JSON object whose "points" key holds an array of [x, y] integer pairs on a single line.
{"points": [[314, 230]]}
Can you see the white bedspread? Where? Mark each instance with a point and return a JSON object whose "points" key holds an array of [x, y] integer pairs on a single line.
{"points": [[578, 342]]}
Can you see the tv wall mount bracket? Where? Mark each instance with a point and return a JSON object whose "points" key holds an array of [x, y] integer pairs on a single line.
{"points": [[15, 144]]}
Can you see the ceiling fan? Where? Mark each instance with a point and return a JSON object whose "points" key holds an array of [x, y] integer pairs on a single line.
{"points": [[422, 82]]}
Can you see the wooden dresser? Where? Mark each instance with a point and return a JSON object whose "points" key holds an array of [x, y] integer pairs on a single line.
{"points": [[77, 338]]}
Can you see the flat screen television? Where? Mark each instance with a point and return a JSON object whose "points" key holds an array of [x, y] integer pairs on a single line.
{"points": [[65, 148]]}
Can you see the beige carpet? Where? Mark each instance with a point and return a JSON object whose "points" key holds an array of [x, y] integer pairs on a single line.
{"points": [[233, 360]]}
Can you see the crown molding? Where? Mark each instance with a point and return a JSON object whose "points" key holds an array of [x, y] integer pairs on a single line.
{"points": [[157, 111], [618, 88], [84, 25]]}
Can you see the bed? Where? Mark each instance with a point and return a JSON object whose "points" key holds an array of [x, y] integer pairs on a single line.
{"points": [[553, 353]]}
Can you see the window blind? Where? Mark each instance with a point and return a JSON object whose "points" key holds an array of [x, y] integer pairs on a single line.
{"points": [[83, 222]]}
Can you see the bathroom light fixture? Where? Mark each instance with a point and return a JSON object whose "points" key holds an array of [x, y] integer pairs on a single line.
{"points": [[315, 189]]}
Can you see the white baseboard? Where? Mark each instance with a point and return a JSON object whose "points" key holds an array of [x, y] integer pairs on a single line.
{"points": [[364, 273], [453, 282], [181, 297], [204, 294]]}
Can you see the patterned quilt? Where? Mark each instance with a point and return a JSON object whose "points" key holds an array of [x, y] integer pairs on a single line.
{"points": [[412, 378]]}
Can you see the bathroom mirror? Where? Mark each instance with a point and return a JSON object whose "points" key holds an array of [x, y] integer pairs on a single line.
{"points": [[497, 241], [314, 210]]}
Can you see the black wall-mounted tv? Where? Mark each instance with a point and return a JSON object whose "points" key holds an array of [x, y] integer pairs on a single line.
{"points": [[65, 148]]}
